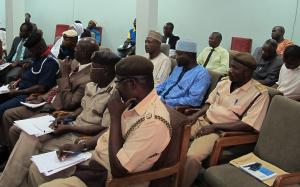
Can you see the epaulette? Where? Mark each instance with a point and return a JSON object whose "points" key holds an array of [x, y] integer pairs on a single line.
{"points": [[261, 88], [224, 78]]}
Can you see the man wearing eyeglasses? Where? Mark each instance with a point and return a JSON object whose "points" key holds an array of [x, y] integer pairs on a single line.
{"points": [[138, 132], [89, 122]]}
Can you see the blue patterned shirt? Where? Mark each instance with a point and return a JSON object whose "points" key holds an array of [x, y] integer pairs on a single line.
{"points": [[190, 90]]}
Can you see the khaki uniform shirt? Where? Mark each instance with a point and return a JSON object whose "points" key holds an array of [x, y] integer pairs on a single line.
{"points": [[94, 104], [142, 148], [226, 107]]}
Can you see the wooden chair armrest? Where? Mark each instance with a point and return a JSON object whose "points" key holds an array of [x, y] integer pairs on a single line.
{"points": [[287, 179], [60, 113], [224, 142], [182, 108], [236, 133], [190, 111], [143, 176]]}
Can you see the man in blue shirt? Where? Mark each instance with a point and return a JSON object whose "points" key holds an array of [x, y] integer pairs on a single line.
{"points": [[37, 77], [189, 82]]}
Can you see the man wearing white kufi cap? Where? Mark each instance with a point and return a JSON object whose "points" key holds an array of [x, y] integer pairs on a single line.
{"points": [[189, 82], [161, 62]]}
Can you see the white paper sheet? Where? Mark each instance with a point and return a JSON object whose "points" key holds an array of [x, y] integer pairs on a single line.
{"points": [[48, 163], [31, 105], [36, 126]]}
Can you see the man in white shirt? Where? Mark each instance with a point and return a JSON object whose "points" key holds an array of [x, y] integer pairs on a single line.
{"points": [[215, 57], [289, 76], [161, 62]]}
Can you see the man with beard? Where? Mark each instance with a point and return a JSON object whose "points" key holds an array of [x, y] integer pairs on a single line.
{"points": [[236, 104], [188, 82]]}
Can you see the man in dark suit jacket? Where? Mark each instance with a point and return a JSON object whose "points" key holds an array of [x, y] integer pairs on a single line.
{"points": [[18, 54], [168, 37]]}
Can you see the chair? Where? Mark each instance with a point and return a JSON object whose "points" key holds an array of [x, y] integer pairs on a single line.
{"points": [[168, 170], [165, 49], [60, 28], [241, 44], [280, 129], [230, 141], [100, 30]]}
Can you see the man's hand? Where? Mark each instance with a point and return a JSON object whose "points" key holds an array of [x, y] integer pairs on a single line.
{"points": [[66, 67], [206, 130], [14, 64], [60, 128], [69, 150], [115, 105], [25, 65], [13, 85]]}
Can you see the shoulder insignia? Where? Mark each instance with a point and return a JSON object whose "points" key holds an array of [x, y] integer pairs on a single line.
{"points": [[148, 116], [261, 88], [224, 78]]}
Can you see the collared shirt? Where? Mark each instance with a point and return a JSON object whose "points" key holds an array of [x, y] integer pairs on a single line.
{"points": [[282, 45], [219, 60], [162, 67], [190, 90], [266, 71], [289, 81], [22, 50], [226, 107], [42, 71], [94, 103], [143, 147]]}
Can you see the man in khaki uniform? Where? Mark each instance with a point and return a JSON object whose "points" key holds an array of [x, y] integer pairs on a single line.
{"points": [[88, 123], [66, 96], [143, 134], [236, 104]]}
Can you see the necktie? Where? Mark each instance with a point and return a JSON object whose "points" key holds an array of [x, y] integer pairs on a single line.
{"points": [[208, 57], [19, 50], [171, 87]]}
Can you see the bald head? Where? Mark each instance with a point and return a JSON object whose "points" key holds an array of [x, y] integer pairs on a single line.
{"points": [[278, 33], [215, 39], [84, 49]]}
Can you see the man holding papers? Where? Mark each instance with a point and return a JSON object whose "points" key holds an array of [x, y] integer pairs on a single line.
{"points": [[88, 123], [66, 95], [139, 129], [38, 77]]}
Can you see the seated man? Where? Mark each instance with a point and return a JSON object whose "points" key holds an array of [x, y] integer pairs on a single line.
{"points": [[236, 104], [188, 82], [169, 38], [289, 76], [38, 77], [215, 57], [87, 123], [18, 54], [131, 144], [278, 35], [77, 26], [94, 31], [161, 62], [66, 96], [268, 63], [128, 48], [67, 48]]}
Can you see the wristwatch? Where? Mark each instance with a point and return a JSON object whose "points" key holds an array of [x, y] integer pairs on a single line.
{"points": [[82, 142]]}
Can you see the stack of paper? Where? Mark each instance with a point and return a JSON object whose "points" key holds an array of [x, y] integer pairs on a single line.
{"points": [[48, 163], [31, 105], [4, 89], [3, 66], [36, 126]]}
